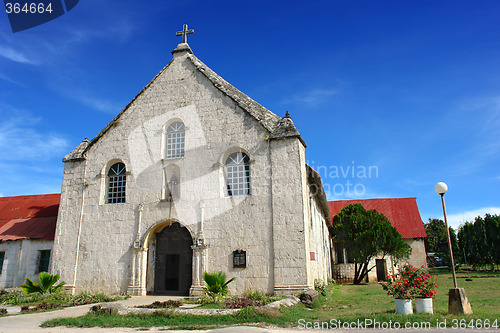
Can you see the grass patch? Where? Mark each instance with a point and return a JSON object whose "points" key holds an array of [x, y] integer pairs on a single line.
{"points": [[347, 303], [167, 319], [36, 302]]}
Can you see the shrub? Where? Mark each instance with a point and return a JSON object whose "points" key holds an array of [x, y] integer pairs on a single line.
{"points": [[209, 299], [260, 297], [320, 287], [12, 297], [216, 284], [47, 284], [238, 302], [249, 298], [171, 303], [47, 306], [16, 297]]}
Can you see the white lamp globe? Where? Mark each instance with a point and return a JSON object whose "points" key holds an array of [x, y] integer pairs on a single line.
{"points": [[441, 188]]}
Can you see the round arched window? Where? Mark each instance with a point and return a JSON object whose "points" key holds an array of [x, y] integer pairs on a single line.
{"points": [[175, 140], [238, 174], [117, 180]]}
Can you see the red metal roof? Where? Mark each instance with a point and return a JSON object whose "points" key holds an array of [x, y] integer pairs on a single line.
{"points": [[402, 213], [28, 217]]}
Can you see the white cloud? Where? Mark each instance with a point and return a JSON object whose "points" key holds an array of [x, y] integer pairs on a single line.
{"points": [[312, 97], [20, 140], [15, 56], [96, 103], [454, 220], [8, 79]]}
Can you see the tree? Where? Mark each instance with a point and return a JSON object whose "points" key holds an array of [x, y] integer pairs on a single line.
{"points": [[437, 241], [480, 240], [492, 233], [366, 234]]}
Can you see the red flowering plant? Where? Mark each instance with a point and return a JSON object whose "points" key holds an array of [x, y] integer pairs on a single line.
{"points": [[410, 282], [425, 285]]}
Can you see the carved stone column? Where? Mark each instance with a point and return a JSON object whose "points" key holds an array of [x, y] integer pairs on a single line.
{"points": [[199, 250], [135, 287]]}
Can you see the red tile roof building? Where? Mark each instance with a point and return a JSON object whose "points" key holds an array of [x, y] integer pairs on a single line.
{"points": [[27, 229], [402, 213], [28, 217], [404, 216]]}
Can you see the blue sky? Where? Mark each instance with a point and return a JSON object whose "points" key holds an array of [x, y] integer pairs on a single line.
{"points": [[408, 88]]}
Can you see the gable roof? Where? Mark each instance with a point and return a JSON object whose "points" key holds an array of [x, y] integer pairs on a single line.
{"points": [[278, 127], [402, 213], [28, 217]]}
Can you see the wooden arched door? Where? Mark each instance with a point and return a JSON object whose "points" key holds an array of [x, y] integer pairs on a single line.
{"points": [[173, 262]]}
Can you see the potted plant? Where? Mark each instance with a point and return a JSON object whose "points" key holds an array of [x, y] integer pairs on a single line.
{"points": [[401, 287], [425, 290]]}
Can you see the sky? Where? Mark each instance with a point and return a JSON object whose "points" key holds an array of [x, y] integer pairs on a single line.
{"points": [[390, 96]]}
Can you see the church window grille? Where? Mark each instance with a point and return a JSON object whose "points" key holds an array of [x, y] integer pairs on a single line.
{"points": [[2, 257], [117, 183], [175, 140], [43, 261], [238, 174]]}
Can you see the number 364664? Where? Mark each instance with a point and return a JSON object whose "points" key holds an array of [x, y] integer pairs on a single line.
{"points": [[28, 8]]}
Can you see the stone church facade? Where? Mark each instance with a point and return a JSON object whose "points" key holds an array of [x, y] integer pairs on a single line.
{"points": [[192, 176]]}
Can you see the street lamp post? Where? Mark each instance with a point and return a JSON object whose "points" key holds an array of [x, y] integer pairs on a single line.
{"points": [[457, 300], [441, 188]]}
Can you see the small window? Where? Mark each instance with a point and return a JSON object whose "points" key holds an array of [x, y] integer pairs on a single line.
{"points": [[117, 183], [2, 257], [43, 261], [175, 140], [238, 174]]}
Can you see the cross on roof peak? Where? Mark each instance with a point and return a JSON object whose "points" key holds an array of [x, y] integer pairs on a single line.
{"points": [[184, 33]]}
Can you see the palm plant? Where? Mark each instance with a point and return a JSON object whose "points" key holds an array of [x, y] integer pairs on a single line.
{"points": [[47, 284], [216, 284]]}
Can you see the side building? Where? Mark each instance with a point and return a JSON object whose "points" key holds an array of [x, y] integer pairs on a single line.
{"points": [[27, 226], [404, 216]]}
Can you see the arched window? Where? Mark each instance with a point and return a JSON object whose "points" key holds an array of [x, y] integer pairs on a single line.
{"points": [[116, 183], [175, 140], [238, 174]]}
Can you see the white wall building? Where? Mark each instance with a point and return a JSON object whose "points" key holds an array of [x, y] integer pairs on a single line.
{"points": [[192, 176], [27, 225]]}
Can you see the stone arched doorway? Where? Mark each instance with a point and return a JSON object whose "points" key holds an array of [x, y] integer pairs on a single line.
{"points": [[173, 261]]}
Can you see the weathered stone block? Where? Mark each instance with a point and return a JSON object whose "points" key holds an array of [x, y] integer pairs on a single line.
{"points": [[309, 296]]}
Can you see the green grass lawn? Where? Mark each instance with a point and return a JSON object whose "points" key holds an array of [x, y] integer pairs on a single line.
{"points": [[347, 303]]}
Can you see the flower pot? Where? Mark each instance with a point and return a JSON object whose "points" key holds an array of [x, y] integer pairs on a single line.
{"points": [[423, 305], [403, 306]]}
